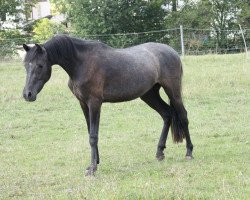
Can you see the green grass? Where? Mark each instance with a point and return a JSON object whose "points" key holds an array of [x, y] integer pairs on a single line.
{"points": [[44, 146]]}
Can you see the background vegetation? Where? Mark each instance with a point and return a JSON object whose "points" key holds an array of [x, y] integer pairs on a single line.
{"points": [[45, 29], [44, 145], [208, 23]]}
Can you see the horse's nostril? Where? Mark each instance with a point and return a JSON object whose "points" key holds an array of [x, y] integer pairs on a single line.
{"points": [[29, 94]]}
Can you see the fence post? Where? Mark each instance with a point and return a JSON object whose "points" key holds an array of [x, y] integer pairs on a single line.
{"points": [[182, 41], [242, 34]]}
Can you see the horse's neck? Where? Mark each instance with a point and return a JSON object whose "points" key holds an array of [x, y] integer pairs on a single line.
{"points": [[68, 64]]}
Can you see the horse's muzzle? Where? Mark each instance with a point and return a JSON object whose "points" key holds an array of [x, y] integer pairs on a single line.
{"points": [[29, 96]]}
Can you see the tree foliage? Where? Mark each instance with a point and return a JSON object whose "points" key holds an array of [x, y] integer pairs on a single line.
{"points": [[244, 15], [16, 9], [45, 29], [91, 18], [8, 7], [110, 17], [214, 15]]}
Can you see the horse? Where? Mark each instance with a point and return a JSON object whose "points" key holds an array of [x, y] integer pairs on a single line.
{"points": [[99, 73]]}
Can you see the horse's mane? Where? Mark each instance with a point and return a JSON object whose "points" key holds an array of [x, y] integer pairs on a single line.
{"points": [[60, 46], [64, 46], [57, 46]]}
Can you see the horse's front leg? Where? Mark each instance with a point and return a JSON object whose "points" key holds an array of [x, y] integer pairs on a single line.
{"points": [[85, 111], [94, 118]]}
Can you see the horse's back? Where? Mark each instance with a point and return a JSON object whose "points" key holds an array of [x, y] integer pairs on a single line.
{"points": [[130, 72], [165, 54]]}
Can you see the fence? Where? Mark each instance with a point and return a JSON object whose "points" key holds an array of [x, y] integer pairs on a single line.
{"points": [[184, 40], [10, 48]]}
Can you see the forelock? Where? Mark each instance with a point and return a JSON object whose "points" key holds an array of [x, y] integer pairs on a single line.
{"points": [[31, 55]]}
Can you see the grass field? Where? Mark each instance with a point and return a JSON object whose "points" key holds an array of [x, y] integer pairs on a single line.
{"points": [[44, 146]]}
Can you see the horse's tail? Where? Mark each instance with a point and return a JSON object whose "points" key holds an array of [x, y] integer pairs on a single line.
{"points": [[177, 130]]}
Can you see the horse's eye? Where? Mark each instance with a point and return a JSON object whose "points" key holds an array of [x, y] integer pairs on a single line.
{"points": [[40, 66]]}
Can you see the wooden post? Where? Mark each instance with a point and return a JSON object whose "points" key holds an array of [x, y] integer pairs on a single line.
{"points": [[245, 44], [182, 41]]}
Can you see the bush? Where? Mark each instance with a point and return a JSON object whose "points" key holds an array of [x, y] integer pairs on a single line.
{"points": [[45, 29]]}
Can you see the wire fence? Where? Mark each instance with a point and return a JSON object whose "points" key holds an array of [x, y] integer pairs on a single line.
{"points": [[195, 41]]}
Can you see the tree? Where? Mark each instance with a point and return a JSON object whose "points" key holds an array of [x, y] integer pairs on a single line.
{"points": [[59, 6], [244, 15], [8, 7], [215, 15], [171, 5], [190, 15], [16, 9], [174, 5], [111, 17], [102, 17], [226, 15]]}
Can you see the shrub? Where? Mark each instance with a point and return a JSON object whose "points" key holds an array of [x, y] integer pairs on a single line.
{"points": [[45, 29]]}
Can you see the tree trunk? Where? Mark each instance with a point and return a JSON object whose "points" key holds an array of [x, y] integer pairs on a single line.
{"points": [[174, 5]]}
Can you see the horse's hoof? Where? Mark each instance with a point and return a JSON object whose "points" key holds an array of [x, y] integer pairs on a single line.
{"points": [[90, 171], [189, 157], [90, 174], [160, 157]]}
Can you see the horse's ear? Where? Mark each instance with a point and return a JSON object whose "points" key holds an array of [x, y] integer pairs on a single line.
{"points": [[26, 47], [40, 49]]}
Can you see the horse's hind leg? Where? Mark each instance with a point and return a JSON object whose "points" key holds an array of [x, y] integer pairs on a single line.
{"points": [[153, 99], [182, 113], [179, 124]]}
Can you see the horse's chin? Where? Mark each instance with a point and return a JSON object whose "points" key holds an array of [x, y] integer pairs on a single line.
{"points": [[31, 99]]}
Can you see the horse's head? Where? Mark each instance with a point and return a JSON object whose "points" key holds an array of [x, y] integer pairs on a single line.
{"points": [[38, 70]]}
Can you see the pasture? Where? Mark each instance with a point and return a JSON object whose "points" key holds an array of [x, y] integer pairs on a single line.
{"points": [[44, 147]]}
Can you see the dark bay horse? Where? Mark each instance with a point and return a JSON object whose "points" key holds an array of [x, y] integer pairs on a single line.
{"points": [[99, 73]]}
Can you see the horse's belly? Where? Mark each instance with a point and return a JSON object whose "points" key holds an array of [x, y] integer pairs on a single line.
{"points": [[126, 89], [121, 97]]}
